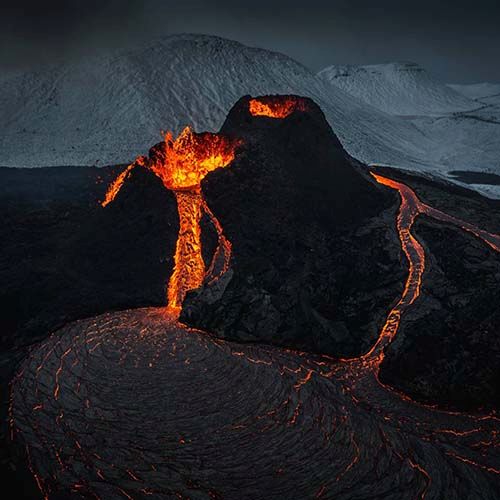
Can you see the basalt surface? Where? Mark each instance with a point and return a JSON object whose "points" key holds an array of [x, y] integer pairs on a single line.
{"points": [[450, 339], [447, 350], [63, 257]]}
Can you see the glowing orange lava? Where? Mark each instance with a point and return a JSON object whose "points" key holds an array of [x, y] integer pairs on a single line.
{"points": [[116, 185], [276, 107], [181, 164], [410, 208], [189, 268]]}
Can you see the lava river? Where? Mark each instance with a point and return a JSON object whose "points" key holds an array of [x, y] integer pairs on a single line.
{"points": [[181, 165], [136, 405]]}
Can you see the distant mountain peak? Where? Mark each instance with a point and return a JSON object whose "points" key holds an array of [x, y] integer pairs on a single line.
{"points": [[398, 88], [108, 109]]}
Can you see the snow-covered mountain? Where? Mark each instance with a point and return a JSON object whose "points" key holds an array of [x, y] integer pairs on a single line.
{"points": [[477, 91], [397, 88], [461, 121], [112, 108]]}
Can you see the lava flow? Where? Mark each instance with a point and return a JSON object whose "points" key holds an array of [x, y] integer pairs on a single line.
{"points": [[181, 164], [410, 208], [105, 409]]}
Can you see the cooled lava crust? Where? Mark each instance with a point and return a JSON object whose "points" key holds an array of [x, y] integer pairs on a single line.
{"points": [[134, 405]]}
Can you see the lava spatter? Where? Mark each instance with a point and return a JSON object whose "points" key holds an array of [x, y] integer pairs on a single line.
{"points": [[182, 164]]}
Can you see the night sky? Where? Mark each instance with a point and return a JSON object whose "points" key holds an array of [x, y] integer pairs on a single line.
{"points": [[458, 41]]}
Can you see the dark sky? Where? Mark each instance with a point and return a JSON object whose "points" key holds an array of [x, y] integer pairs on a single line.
{"points": [[458, 41]]}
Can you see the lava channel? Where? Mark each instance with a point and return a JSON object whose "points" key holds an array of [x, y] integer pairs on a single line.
{"points": [[181, 164], [410, 208]]}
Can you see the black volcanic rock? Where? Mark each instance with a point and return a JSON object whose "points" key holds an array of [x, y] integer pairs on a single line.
{"points": [[448, 348], [65, 257], [315, 264]]}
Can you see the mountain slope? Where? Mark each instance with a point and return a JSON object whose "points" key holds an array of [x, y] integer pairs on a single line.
{"points": [[110, 109], [465, 131], [477, 91], [397, 88]]}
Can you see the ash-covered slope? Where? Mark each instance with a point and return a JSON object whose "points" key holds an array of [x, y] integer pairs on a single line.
{"points": [[397, 88], [108, 110], [465, 131], [314, 266]]}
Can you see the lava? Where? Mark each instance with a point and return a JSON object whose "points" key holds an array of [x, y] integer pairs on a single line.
{"points": [[181, 164], [116, 185], [276, 107], [411, 206], [262, 419], [408, 210], [189, 269]]}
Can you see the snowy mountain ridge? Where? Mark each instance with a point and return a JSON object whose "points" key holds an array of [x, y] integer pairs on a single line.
{"points": [[399, 88], [111, 108]]}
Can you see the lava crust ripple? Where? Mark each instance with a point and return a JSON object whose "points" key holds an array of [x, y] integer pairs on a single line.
{"points": [[135, 405]]}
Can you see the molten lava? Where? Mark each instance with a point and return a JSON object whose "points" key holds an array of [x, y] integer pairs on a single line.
{"points": [[189, 268], [411, 206], [116, 185], [181, 164], [409, 209], [276, 107]]}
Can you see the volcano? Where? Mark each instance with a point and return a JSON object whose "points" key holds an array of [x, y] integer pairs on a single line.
{"points": [[292, 203], [292, 192], [299, 278]]}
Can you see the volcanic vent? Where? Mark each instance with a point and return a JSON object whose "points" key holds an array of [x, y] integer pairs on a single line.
{"points": [[181, 164], [291, 203]]}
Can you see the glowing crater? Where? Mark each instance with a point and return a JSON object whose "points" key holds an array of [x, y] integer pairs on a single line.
{"points": [[181, 164]]}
